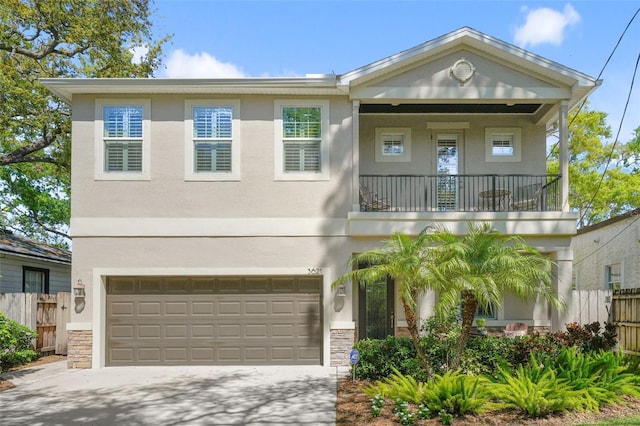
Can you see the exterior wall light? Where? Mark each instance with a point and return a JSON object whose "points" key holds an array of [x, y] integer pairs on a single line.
{"points": [[340, 291], [78, 289]]}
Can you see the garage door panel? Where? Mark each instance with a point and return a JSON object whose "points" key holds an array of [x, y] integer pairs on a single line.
{"points": [[122, 332], [229, 308], [146, 355], [149, 332], [202, 331], [150, 308], [202, 308], [227, 320]]}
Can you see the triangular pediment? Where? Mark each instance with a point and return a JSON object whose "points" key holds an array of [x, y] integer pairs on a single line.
{"points": [[466, 66]]}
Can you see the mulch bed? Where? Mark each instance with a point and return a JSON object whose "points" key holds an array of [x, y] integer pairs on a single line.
{"points": [[354, 408], [6, 384]]}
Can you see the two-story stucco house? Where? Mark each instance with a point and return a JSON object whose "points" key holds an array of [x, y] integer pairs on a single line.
{"points": [[210, 216]]}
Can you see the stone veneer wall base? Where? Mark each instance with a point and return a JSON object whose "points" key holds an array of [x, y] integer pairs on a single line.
{"points": [[342, 342], [79, 348]]}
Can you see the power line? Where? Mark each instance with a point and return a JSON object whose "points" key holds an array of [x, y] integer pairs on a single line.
{"points": [[624, 113], [603, 245], [601, 72]]}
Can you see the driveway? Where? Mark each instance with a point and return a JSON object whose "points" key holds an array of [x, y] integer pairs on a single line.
{"points": [[51, 394]]}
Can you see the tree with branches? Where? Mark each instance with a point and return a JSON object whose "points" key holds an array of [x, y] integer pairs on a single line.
{"points": [[48, 39]]}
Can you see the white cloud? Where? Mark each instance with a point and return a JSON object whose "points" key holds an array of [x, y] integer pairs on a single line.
{"points": [[199, 65], [138, 52], [546, 25]]}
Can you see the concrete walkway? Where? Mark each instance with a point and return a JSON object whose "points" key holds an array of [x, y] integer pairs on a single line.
{"points": [[51, 394]]}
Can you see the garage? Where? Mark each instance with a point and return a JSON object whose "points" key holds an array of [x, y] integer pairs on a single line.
{"points": [[213, 320]]}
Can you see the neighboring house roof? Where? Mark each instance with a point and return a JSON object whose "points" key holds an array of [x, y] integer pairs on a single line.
{"points": [[20, 246], [608, 222]]}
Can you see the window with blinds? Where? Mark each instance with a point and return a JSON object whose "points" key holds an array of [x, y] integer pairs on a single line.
{"points": [[302, 139], [502, 145], [123, 136], [212, 138]]}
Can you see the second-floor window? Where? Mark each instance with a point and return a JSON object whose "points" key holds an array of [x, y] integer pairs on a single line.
{"points": [[122, 135], [122, 139], [212, 140], [301, 140]]}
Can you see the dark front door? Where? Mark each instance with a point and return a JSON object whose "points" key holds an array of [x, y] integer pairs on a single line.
{"points": [[376, 313]]}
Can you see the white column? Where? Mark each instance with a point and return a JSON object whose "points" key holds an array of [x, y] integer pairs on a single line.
{"points": [[355, 156], [563, 125]]}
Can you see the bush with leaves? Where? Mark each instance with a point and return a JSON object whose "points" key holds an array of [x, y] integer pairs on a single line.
{"points": [[378, 358], [537, 391], [439, 344], [453, 392], [16, 345]]}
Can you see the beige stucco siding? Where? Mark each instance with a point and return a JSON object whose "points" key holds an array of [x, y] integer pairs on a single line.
{"points": [[472, 145], [491, 80], [167, 194]]}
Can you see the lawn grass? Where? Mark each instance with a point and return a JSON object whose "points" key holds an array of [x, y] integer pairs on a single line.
{"points": [[623, 421]]}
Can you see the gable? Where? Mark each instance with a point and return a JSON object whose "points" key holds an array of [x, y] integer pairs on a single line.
{"points": [[431, 80]]}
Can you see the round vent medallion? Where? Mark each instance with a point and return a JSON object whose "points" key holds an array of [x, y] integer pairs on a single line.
{"points": [[462, 70]]}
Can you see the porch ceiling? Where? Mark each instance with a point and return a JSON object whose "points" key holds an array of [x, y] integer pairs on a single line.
{"points": [[449, 108]]}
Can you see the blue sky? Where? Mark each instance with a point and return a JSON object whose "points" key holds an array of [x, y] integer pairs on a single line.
{"points": [[217, 38]]}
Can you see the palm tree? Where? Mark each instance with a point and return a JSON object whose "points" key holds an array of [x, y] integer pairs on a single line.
{"points": [[403, 259], [478, 268]]}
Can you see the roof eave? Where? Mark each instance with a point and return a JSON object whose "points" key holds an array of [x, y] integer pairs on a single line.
{"points": [[65, 88]]}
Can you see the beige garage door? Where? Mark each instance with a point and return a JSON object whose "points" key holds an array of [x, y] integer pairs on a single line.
{"points": [[213, 320]]}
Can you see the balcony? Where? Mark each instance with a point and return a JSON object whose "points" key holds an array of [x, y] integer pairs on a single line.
{"points": [[460, 193]]}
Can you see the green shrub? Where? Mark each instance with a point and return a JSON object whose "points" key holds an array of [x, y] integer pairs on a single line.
{"points": [[379, 357], [482, 356], [397, 386], [15, 343], [439, 343], [535, 390], [456, 393], [453, 392]]}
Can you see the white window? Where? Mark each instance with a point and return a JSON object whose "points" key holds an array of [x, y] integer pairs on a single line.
{"points": [[35, 280], [122, 139], [393, 144], [301, 150], [503, 144], [212, 135], [613, 276]]}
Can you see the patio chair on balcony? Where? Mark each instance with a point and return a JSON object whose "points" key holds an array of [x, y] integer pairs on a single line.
{"points": [[527, 197], [369, 201], [516, 329]]}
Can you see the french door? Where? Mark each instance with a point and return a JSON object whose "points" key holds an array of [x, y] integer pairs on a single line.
{"points": [[376, 310], [447, 168]]}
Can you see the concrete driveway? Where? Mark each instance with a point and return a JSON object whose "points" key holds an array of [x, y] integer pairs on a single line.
{"points": [[53, 395]]}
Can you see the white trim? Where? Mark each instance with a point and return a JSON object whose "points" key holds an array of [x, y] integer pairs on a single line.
{"points": [[278, 169], [79, 326], [343, 325], [100, 298], [515, 133], [405, 133], [189, 173], [206, 227], [448, 125], [100, 173]]}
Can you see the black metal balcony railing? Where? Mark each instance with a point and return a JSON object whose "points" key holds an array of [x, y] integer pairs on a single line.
{"points": [[460, 193]]}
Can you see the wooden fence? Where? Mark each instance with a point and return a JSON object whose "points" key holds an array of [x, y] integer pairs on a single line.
{"points": [[48, 314], [626, 315]]}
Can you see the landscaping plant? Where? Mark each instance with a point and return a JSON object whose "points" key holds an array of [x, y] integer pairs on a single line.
{"points": [[16, 343]]}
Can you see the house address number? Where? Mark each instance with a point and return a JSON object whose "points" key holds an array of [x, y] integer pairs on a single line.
{"points": [[314, 271]]}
